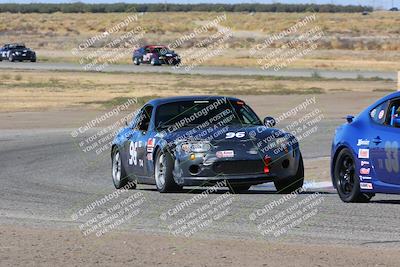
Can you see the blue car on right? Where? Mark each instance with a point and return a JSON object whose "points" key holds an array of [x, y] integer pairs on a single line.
{"points": [[365, 152]]}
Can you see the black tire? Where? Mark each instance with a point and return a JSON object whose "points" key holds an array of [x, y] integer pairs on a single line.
{"points": [[136, 61], [11, 58], [236, 189], [346, 180], [292, 184], [163, 173], [33, 60], [1, 59], [119, 180]]}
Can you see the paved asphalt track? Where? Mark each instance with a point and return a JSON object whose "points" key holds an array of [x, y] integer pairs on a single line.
{"points": [[130, 68], [45, 179]]}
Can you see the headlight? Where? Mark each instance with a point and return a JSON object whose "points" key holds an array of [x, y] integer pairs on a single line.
{"points": [[17, 53], [197, 147]]}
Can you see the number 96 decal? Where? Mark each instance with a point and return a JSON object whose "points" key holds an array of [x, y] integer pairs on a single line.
{"points": [[237, 134]]}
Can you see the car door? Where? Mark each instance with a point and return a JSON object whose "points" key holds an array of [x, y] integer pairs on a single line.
{"points": [[147, 55], [384, 142], [144, 134], [129, 156]]}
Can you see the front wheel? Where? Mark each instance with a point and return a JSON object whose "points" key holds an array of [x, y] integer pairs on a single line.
{"points": [[163, 175], [346, 180], [136, 61], [11, 58], [294, 183], [154, 62], [118, 173]]}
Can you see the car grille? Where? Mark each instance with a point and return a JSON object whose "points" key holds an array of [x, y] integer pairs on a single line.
{"points": [[239, 167]]}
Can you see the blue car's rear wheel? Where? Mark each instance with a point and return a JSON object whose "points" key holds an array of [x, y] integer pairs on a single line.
{"points": [[346, 180]]}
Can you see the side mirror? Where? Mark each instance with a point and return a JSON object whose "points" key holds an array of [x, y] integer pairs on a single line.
{"points": [[269, 122], [349, 118], [396, 122]]}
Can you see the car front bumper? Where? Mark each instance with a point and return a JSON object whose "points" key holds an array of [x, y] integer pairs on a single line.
{"points": [[206, 169]]}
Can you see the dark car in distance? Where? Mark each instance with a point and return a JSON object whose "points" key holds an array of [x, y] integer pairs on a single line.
{"points": [[17, 52], [201, 141], [155, 55]]}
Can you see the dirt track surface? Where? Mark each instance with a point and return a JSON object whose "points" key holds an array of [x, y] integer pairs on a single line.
{"points": [[45, 180], [49, 247]]}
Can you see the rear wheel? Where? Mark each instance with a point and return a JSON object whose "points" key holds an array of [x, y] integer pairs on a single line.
{"points": [[163, 173], [119, 176], [292, 184], [11, 58], [346, 181]]}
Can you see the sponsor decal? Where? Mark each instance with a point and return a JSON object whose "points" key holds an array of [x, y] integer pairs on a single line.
{"points": [[367, 186], [225, 154], [150, 144], [362, 142], [364, 171], [381, 114], [363, 178], [363, 153], [150, 156], [363, 162]]}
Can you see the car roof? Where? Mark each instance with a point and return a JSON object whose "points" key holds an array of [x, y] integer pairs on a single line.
{"points": [[166, 100], [390, 96], [15, 44], [155, 46]]}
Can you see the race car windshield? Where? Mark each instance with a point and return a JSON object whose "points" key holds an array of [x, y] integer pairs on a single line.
{"points": [[18, 46], [193, 113]]}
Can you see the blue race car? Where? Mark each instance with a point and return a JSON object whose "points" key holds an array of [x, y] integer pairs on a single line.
{"points": [[204, 140], [365, 152]]}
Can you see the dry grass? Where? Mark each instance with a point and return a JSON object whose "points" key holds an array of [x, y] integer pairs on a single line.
{"points": [[36, 91], [351, 41]]}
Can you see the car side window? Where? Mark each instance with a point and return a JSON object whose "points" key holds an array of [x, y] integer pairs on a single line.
{"points": [[135, 119], [393, 118], [379, 114], [145, 118]]}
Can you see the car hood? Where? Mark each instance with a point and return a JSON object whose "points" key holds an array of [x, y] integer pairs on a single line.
{"points": [[217, 134]]}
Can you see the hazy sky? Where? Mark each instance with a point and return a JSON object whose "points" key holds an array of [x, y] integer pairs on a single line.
{"points": [[375, 3]]}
